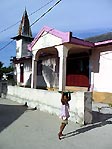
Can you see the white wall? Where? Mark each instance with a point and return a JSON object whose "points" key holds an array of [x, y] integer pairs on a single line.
{"points": [[49, 101], [27, 73], [18, 48], [101, 76], [47, 40], [21, 48], [18, 73], [103, 80]]}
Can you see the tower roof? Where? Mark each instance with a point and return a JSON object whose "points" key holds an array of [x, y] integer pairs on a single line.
{"points": [[24, 27]]}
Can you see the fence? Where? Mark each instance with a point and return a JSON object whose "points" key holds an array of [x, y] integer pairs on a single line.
{"points": [[49, 101]]}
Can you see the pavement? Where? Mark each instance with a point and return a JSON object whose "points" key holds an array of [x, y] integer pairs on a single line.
{"points": [[26, 128]]}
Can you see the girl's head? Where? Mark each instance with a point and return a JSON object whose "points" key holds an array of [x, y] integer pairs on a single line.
{"points": [[64, 98]]}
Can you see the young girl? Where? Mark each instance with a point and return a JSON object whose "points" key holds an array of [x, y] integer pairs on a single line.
{"points": [[64, 112]]}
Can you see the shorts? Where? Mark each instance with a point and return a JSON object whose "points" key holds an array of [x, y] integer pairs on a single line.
{"points": [[64, 121]]}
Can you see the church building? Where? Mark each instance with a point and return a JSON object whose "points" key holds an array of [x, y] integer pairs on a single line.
{"points": [[23, 59]]}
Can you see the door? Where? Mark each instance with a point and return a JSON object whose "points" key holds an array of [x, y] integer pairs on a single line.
{"points": [[21, 72], [78, 71]]}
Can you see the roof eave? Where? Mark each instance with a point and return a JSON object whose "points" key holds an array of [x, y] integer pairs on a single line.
{"points": [[81, 42], [18, 37]]}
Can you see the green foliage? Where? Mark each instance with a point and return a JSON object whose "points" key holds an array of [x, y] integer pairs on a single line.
{"points": [[110, 104], [1, 72], [5, 69]]}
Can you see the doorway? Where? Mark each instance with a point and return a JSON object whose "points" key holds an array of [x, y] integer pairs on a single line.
{"points": [[78, 70]]}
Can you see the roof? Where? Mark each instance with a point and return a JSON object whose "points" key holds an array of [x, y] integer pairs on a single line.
{"points": [[16, 60], [65, 36], [24, 27]]}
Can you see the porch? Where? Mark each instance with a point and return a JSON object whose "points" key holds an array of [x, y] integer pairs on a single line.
{"points": [[60, 60]]}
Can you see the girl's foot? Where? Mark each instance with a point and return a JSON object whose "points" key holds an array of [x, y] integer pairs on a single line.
{"points": [[60, 135]]}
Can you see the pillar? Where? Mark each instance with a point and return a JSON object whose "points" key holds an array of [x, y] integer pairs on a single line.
{"points": [[62, 52], [87, 107], [34, 74]]}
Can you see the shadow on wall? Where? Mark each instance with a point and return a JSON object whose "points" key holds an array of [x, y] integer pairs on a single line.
{"points": [[95, 61], [40, 82], [49, 75], [28, 83], [10, 113]]}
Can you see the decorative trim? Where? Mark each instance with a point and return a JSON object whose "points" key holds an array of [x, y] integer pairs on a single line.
{"points": [[103, 42]]}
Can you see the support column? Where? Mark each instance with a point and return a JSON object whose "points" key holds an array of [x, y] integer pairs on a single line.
{"points": [[91, 75], [34, 74], [62, 51], [92, 82]]}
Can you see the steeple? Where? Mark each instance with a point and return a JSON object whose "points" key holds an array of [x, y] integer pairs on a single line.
{"points": [[24, 27], [24, 37]]}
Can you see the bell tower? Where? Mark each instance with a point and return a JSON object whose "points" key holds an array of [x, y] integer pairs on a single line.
{"points": [[24, 37]]}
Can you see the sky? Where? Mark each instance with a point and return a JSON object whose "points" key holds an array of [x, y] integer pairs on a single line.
{"points": [[84, 18]]}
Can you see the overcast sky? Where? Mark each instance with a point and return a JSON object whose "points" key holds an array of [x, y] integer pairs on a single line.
{"points": [[82, 17]]}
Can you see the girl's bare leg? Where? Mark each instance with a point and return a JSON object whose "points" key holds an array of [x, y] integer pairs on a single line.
{"points": [[61, 130]]}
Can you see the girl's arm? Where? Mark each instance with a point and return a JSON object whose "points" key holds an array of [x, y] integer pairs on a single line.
{"points": [[69, 96]]}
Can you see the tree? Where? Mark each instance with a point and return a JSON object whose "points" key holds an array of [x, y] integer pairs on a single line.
{"points": [[1, 71], [5, 69]]}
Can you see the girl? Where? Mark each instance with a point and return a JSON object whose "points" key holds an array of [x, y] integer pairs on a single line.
{"points": [[64, 112]]}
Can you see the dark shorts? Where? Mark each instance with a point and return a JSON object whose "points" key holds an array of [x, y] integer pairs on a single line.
{"points": [[64, 121]]}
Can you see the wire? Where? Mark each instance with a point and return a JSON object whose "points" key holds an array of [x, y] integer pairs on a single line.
{"points": [[6, 45], [41, 7], [29, 15], [9, 27], [45, 13], [13, 40], [34, 21]]}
